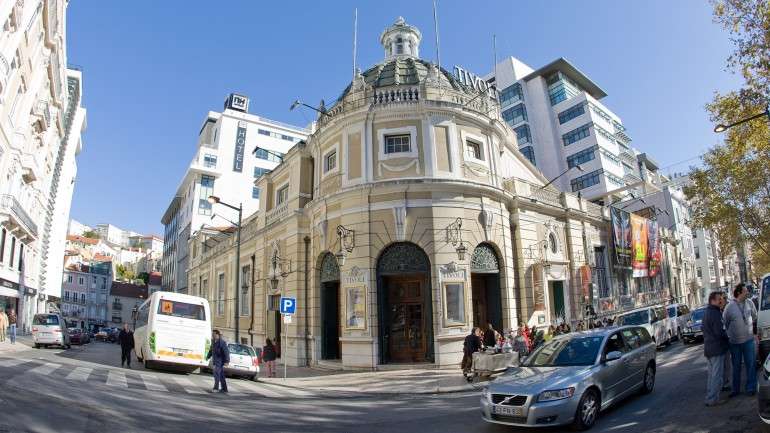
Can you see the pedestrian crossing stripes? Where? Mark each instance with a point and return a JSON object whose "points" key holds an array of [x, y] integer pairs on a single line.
{"points": [[45, 369], [132, 379], [117, 378], [80, 374]]}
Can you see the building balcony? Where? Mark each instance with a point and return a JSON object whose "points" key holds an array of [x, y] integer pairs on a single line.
{"points": [[11, 209], [31, 166], [117, 307], [206, 161], [277, 213]]}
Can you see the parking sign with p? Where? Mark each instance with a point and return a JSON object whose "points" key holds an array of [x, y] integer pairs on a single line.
{"points": [[288, 305]]}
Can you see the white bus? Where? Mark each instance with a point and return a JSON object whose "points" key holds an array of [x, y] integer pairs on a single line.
{"points": [[173, 329]]}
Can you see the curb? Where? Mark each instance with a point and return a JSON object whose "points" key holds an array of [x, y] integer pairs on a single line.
{"points": [[441, 390]]}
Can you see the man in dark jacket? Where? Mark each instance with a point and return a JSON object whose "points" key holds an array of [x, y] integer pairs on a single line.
{"points": [[471, 345], [126, 339], [489, 336], [221, 356], [715, 347]]}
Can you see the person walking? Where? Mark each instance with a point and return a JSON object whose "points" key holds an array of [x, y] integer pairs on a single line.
{"points": [[269, 354], [12, 325], [715, 347], [126, 339], [221, 356], [471, 345], [739, 318], [3, 325]]}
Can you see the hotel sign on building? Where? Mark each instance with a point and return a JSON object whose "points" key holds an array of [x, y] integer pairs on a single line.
{"points": [[472, 80], [240, 145]]}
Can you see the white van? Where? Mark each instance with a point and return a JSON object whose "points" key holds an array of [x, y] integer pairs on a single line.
{"points": [[653, 319], [173, 329], [763, 317], [50, 329]]}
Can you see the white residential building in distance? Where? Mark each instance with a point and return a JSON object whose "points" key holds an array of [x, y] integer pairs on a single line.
{"points": [[709, 268], [234, 147], [41, 121], [560, 124], [76, 228], [115, 235]]}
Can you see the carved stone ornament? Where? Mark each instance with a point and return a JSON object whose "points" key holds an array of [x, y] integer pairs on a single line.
{"points": [[329, 269], [402, 257], [484, 260]]}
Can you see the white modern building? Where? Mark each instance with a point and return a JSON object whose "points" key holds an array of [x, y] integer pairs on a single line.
{"points": [[562, 128], [708, 267], [234, 147], [77, 228], [115, 235], [41, 121]]}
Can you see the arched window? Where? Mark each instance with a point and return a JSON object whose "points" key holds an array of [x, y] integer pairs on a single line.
{"points": [[553, 243], [329, 269], [399, 46]]}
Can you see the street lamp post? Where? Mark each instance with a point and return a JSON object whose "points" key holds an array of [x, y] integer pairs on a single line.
{"points": [[723, 128], [578, 167], [214, 200]]}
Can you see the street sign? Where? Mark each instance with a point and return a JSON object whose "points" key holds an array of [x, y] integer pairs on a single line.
{"points": [[288, 306], [286, 319]]}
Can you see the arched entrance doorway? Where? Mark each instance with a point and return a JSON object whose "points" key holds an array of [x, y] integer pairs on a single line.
{"points": [[485, 286], [330, 308], [404, 298]]}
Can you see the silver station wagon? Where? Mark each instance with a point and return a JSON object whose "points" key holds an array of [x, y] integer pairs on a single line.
{"points": [[571, 378]]}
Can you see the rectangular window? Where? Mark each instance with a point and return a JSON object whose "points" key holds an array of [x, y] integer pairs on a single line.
{"points": [[207, 189], [287, 138], [561, 88], [586, 180], [221, 295], [183, 310], [267, 155], [254, 192], [13, 252], [81, 281], [511, 94], [455, 303], [21, 256], [529, 153], [697, 252], [577, 134], [66, 296], [69, 278], [245, 290], [572, 112], [82, 298], [209, 161], [273, 302], [263, 132], [330, 161], [523, 135], [2, 245], [515, 115], [205, 289], [259, 171], [473, 150], [397, 144], [581, 157], [282, 195], [700, 273]]}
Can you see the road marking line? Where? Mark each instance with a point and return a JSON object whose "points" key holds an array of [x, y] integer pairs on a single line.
{"points": [[189, 386], [80, 373], [283, 390], [263, 390], [117, 378], [152, 383], [13, 362], [45, 369]]}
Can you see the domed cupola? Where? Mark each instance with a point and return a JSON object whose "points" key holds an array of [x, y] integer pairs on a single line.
{"points": [[401, 40]]}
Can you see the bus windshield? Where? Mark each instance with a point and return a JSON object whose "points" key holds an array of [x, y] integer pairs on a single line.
{"points": [[181, 309]]}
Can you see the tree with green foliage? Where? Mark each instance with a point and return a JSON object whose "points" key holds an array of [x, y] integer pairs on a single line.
{"points": [[90, 234], [730, 192]]}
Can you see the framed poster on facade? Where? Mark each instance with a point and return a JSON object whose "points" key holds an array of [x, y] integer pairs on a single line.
{"points": [[355, 307], [454, 308]]}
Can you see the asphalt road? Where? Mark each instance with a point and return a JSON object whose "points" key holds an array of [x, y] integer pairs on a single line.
{"points": [[85, 390]]}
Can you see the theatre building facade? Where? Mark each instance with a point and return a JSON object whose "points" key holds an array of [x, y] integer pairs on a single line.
{"points": [[407, 217]]}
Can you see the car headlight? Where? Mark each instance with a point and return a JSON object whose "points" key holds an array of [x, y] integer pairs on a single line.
{"points": [[486, 394], [765, 333], [556, 394]]}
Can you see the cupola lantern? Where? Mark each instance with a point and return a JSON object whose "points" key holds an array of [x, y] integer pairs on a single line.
{"points": [[401, 40]]}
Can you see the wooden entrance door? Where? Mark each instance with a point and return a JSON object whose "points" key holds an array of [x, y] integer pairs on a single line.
{"points": [[479, 289], [406, 319]]}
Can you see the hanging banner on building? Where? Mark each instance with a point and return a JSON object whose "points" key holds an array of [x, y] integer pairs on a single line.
{"points": [[585, 279], [240, 145], [655, 251], [639, 245], [621, 237]]}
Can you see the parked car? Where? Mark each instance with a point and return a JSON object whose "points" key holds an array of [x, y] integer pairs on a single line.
{"points": [[678, 316], [692, 330], [50, 329], [763, 317], [571, 378], [653, 319], [79, 336], [763, 392], [101, 335], [244, 361]]}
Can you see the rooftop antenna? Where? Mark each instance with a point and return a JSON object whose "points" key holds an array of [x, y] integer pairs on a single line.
{"points": [[355, 40], [494, 65], [438, 46]]}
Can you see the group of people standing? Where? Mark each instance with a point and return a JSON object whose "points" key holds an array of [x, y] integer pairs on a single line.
{"points": [[8, 322], [729, 328]]}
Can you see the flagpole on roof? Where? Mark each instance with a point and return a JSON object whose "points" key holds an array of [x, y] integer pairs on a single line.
{"points": [[355, 40]]}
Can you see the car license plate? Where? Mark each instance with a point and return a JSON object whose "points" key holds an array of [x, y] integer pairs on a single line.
{"points": [[508, 410]]}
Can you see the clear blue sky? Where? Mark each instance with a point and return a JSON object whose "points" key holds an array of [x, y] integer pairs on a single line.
{"points": [[152, 70]]}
